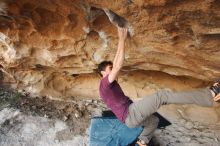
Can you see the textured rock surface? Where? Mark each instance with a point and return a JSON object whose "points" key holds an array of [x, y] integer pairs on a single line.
{"points": [[45, 122], [52, 48]]}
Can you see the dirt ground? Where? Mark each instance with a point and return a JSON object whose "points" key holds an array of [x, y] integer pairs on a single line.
{"points": [[75, 114]]}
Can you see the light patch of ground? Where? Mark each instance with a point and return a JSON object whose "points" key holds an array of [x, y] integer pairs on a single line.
{"points": [[18, 129]]}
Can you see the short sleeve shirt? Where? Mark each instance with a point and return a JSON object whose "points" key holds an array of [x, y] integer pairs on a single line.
{"points": [[114, 98]]}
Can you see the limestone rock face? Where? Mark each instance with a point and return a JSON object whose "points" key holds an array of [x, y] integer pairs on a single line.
{"points": [[52, 48]]}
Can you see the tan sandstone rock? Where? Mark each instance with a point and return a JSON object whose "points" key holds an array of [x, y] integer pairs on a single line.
{"points": [[52, 48]]}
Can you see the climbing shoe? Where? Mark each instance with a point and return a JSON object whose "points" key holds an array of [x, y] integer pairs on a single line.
{"points": [[216, 89]]}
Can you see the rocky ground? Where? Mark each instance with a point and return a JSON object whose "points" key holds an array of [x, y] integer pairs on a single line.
{"points": [[39, 121]]}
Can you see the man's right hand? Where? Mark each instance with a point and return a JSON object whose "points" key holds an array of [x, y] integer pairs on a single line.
{"points": [[122, 33]]}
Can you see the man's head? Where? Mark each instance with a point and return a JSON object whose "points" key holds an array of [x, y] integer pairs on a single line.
{"points": [[104, 68]]}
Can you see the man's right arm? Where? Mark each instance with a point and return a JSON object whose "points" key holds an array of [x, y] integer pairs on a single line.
{"points": [[120, 55]]}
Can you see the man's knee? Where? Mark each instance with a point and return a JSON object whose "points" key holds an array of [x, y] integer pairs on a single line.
{"points": [[132, 125], [152, 120]]}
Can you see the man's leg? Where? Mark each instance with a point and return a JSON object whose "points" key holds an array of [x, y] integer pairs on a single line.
{"points": [[150, 125], [140, 110]]}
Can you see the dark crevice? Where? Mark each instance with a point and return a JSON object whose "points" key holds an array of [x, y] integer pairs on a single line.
{"points": [[115, 19], [94, 14], [75, 75], [38, 66]]}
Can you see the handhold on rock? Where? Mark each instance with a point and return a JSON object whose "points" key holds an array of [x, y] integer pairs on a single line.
{"points": [[117, 20]]}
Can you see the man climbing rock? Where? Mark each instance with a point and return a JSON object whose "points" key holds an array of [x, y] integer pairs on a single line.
{"points": [[140, 113]]}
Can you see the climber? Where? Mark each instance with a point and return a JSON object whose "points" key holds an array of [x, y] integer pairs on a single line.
{"points": [[139, 113]]}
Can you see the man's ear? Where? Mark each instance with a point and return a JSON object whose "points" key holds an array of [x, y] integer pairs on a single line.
{"points": [[102, 72]]}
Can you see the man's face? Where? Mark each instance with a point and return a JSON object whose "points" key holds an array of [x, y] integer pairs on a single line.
{"points": [[108, 69]]}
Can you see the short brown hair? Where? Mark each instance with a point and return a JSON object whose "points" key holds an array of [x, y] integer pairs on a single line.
{"points": [[102, 66]]}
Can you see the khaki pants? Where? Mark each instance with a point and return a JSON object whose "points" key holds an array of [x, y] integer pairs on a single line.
{"points": [[140, 112]]}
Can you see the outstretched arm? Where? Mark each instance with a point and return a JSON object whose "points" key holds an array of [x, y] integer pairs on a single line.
{"points": [[120, 54]]}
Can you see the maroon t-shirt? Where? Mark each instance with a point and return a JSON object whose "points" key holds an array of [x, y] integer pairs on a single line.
{"points": [[114, 98]]}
